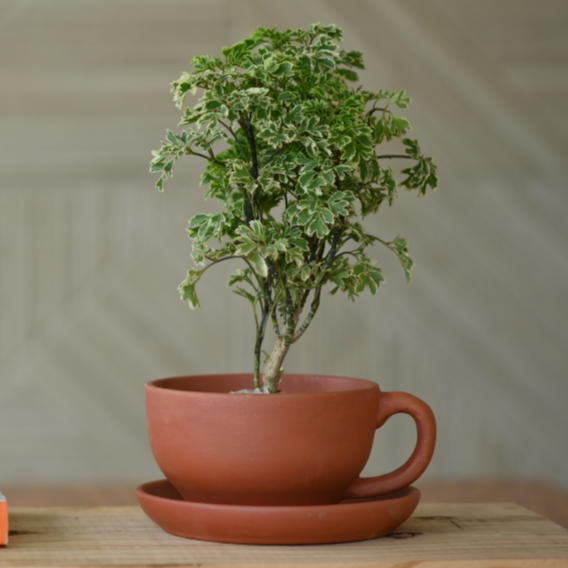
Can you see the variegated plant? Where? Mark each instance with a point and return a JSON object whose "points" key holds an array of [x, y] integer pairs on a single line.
{"points": [[292, 157]]}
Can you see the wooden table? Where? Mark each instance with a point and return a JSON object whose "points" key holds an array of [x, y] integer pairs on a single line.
{"points": [[540, 496], [498, 535]]}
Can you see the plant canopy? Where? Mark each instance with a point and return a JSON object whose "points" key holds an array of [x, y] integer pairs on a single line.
{"points": [[292, 157]]}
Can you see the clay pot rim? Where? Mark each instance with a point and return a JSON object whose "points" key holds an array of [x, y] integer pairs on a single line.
{"points": [[361, 385]]}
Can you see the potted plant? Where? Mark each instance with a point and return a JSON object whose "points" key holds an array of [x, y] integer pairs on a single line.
{"points": [[290, 154]]}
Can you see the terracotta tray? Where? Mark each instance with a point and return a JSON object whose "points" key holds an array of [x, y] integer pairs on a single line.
{"points": [[354, 520]]}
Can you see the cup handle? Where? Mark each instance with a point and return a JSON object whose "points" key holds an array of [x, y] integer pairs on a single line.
{"points": [[394, 403]]}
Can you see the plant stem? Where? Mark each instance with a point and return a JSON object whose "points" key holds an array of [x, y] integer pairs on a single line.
{"points": [[334, 243], [267, 310], [276, 153], [208, 158], [248, 129], [390, 156], [374, 109], [258, 345], [272, 371], [236, 139], [313, 309], [249, 216], [275, 324]]}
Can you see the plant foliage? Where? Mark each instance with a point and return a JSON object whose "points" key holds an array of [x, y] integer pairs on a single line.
{"points": [[292, 156]]}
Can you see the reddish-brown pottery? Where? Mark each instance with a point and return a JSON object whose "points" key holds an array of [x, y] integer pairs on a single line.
{"points": [[304, 446], [348, 521]]}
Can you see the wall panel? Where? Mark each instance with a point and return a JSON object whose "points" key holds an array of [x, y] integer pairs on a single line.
{"points": [[91, 254]]}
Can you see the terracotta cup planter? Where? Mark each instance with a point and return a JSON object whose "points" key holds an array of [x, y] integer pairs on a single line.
{"points": [[304, 446]]}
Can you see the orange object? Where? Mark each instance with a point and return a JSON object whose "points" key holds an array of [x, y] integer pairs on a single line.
{"points": [[3, 521]]}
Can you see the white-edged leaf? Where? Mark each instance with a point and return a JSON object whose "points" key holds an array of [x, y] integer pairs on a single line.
{"points": [[259, 263]]}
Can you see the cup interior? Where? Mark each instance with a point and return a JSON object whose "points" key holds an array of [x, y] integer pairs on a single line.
{"points": [[291, 383]]}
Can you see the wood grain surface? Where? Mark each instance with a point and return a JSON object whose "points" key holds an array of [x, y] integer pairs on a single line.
{"points": [[457, 535], [540, 496]]}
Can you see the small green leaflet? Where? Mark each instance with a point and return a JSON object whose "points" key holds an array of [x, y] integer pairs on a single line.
{"points": [[259, 263], [187, 288], [317, 223], [348, 74]]}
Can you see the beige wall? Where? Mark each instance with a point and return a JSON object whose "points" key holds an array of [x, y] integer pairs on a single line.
{"points": [[91, 254]]}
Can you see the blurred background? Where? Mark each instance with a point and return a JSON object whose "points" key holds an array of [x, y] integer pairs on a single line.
{"points": [[91, 253]]}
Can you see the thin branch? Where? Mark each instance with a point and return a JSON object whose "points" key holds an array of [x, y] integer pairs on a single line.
{"points": [[313, 309], [275, 323], [208, 158], [335, 241], [248, 129], [249, 214], [351, 252], [321, 250], [254, 154], [378, 239], [218, 260], [387, 244], [370, 113], [282, 283], [212, 154], [314, 248], [258, 345], [390, 156], [252, 270], [305, 298], [235, 137], [255, 319], [267, 310], [276, 154]]}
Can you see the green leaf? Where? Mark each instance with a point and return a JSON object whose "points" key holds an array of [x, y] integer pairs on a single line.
{"points": [[284, 69], [306, 178], [187, 289], [377, 275], [172, 138], [213, 104], [287, 95], [341, 170], [317, 225], [157, 166], [348, 74], [327, 216], [413, 149], [316, 184], [349, 152], [295, 255], [399, 126], [245, 246], [327, 62], [198, 220], [259, 263], [257, 229], [305, 273], [294, 114], [401, 101], [300, 243], [338, 204]]}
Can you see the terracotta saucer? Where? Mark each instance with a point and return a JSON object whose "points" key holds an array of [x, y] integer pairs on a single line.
{"points": [[353, 520]]}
